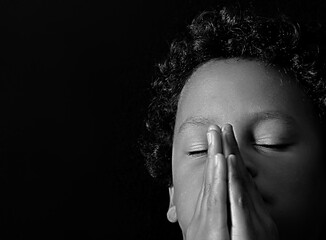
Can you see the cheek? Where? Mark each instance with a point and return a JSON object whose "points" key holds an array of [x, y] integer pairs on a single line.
{"points": [[187, 184], [294, 185]]}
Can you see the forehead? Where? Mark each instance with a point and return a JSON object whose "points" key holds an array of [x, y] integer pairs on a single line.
{"points": [[227, 90]]}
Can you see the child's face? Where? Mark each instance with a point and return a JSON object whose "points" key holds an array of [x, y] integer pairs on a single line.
{"points": [[264, 109]]}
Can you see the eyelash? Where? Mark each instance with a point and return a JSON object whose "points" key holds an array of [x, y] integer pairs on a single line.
{"points": [[269, 146], [278, 147], [197, 153]]}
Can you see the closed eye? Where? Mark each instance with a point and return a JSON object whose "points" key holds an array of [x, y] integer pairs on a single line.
{"points": [[276, 147], [197, 153]]}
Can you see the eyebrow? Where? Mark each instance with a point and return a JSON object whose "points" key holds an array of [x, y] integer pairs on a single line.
{"points": [[200, 121], [270, 115]]}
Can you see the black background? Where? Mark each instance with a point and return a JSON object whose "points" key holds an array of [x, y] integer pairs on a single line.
{"points": [[73, 96]]}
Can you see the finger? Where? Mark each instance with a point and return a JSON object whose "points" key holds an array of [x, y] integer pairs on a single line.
{"points": [[213, 218], [230, 146], [214, 146], [214, 143], [217, 201], [242, 209], [215, 140], [249, 214], [199, 201]]}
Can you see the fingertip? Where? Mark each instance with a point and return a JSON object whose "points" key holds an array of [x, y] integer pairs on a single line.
{"points": [[227, 127], [216, 160], [232, 163], [210, 133], [232, 159], [229, 139], [214, 127], [209, 138], [218, 157]]}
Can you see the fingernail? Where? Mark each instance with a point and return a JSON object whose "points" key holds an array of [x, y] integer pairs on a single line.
{"points": [[233, 160], [213, 127], [229, 133], [216, 160], [209, 138], [227, 128]]}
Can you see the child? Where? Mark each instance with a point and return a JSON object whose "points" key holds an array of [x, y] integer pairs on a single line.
{"points": [[236, 129]]}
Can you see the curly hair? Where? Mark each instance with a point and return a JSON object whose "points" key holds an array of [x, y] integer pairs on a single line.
{"points": [[222, 34]]}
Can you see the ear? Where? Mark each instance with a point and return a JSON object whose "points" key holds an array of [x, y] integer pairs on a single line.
{"points": [[172, 212]]}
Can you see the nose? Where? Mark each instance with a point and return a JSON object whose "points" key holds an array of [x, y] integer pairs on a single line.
{"points": [[240, 141], [248, 162]]}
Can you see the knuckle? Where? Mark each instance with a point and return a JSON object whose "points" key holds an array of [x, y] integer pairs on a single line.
{"points": [[207, 188], [212, 202], [242, 201], [218, 179]]}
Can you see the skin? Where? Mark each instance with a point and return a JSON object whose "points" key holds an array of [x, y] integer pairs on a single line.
{"points": [[268, 181]]}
